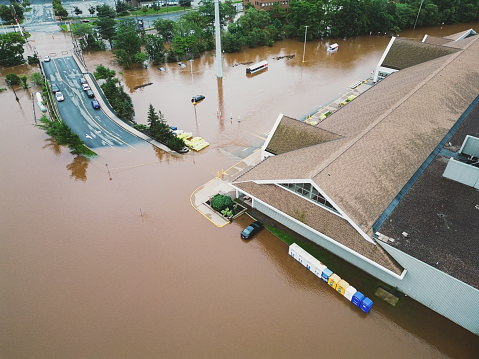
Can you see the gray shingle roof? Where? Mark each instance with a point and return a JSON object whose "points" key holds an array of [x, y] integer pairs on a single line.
{"points": [[386, 134], [405, 53], [441, 217], [292, 134], [321, 220]]}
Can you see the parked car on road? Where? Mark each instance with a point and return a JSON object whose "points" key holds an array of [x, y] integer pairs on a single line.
{"points": [[55, 88], [251, 230], [95, 104], [59, 96], [90, 93], [83, 81], [85, 87]]}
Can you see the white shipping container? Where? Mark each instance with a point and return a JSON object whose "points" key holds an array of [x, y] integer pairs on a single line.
{"points": [[349, 292], [319, 269]]}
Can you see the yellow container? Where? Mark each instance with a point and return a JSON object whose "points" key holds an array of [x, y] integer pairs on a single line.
{"points": [[342, 286], [334, 280]]}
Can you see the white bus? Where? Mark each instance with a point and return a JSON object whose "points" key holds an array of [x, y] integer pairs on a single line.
{"points": [[257, 67]]}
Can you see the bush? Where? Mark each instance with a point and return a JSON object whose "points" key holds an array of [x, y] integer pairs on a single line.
{"points": [[220, 202], [175, 143]]}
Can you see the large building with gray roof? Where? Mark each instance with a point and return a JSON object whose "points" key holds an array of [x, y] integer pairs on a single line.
{"points": [[368, 182]]}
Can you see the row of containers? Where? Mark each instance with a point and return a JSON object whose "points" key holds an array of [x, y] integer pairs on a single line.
{"points": [[333, 280]]}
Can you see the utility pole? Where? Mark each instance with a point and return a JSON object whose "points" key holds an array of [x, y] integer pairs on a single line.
{"points": [[219, 57]]}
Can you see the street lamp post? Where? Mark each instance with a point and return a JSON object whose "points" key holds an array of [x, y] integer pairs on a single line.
{"points": [[304, 47]]}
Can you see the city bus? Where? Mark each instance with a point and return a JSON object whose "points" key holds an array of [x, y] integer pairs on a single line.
{"points": [[257, 67]]}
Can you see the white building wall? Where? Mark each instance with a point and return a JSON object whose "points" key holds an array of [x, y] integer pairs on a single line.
{"points": [[433, 288], [439, 291]]}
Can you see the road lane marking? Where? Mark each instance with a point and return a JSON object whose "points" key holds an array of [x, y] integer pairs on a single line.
{"points": [[81, 100]]}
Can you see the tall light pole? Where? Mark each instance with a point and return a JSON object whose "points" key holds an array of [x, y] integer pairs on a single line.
{"points": [[304, 47], [219, 58], [192, 84], [420, 6]]}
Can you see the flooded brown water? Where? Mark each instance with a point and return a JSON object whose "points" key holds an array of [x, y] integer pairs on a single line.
{"points": [[106, 258]]}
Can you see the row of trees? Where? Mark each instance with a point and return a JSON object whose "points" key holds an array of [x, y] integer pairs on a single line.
{"points": [[119, 100], [339, 18], [194, 32]]}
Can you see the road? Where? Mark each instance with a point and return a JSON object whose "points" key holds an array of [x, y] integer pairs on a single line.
{"points": [[93, 126], [41, 19]]}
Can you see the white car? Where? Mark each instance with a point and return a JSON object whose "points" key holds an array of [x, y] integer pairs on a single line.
{"points": [[59, 96], [85, 87], [46, 59]]}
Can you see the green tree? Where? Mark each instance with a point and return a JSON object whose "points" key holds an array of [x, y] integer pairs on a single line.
{"points": [[89, 39], [155, 48], [165, 28], [122, 8], [153, 117], [8, 14], [11, 49], [77, 11], [12, 79], [175, 143], [119, 100], [102, 72], [185, 3], [106, 28], [105, 10], [23, 80], [206, 9], [36, 78], [64, 136], [127, 43]]}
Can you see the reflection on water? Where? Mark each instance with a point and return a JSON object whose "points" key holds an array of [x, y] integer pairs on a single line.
{"points": [[126, 268], [78, 168], [53, 145]]}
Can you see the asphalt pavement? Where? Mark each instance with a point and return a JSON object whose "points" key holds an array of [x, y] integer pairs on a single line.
{"points": [[96, 127]]}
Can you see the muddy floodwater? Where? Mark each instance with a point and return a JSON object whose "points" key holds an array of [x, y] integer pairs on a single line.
{"points": [[106, 258]]}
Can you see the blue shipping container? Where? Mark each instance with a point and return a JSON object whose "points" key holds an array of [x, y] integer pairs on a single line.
{"points": [[357, 298], [366, 305], [326, 274]]}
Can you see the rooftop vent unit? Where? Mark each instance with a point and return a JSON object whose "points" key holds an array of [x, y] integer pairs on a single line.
{"points": [[465, 169]]}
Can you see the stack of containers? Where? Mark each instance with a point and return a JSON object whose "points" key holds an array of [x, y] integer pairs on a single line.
{"points": [[333, 280]]}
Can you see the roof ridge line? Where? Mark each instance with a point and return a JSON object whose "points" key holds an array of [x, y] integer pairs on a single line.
{"points": [[242, 173], [392, 109]]}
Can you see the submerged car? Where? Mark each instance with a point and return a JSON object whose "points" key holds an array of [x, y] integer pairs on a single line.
{"points": [[95, 104], [251, 230], [180, 64], [197, 98], [46, 59], [59, 96]]}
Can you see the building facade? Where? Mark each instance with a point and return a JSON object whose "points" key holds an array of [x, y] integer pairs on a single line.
{"points": [[369, 183]]}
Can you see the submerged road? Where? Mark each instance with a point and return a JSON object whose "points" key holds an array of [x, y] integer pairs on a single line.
{"points": [[93, 126]]}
